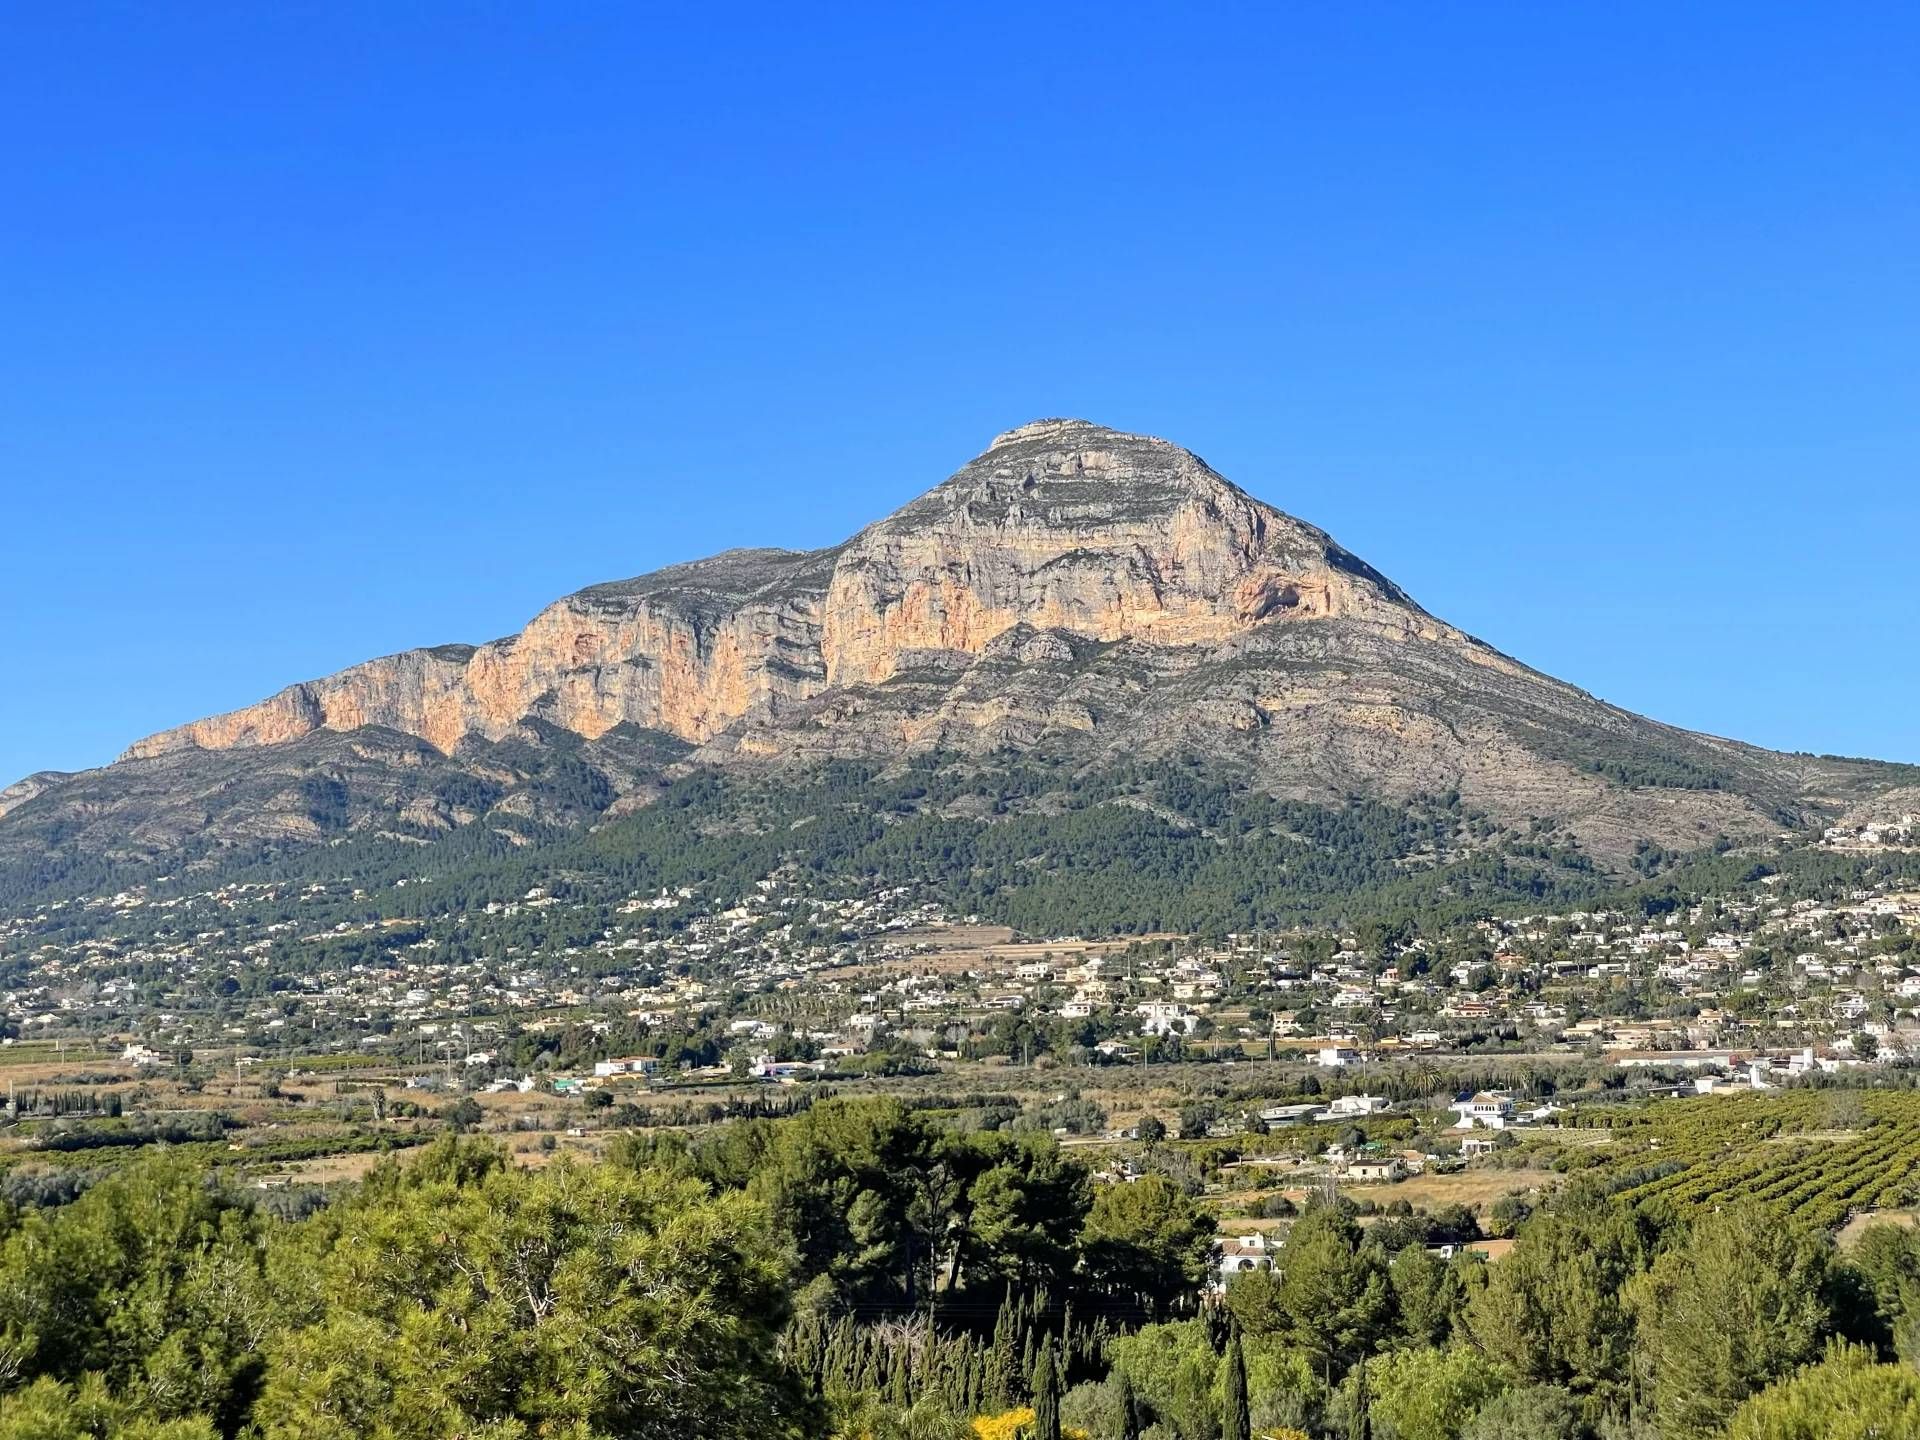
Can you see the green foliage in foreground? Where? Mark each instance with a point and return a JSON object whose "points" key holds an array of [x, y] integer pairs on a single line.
{"points": [[1849, 1396], [453, 1297], [868, 1272]]}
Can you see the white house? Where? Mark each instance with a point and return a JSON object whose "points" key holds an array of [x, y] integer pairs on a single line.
{"points": [[1377, 1172], [1158, 1017], [1347, 1105], [626, 1065], [1489, 1109], [1241, 1255]]}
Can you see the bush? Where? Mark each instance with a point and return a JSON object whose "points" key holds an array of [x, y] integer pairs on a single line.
{"points": [[1431, 1394], [1537, 1412]]}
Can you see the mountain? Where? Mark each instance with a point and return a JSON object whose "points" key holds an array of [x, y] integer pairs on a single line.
{"points": [[1062, 533], [1099, 598]]}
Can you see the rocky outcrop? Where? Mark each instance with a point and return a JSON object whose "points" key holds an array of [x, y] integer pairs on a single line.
{"points": [[686, 650], [200, 806], [21, 791], [1065, 526]]}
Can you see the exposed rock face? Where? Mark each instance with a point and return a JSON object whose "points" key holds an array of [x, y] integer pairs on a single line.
{"points": [[1060, 525], [1074, 587], [1065, 526], [686, 650], [21, 791]]}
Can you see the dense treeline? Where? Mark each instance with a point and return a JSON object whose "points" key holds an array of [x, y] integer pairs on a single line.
{"points": [[888, 1208], [866, 1270], [456, 1296], [1174, 846], [1131, 851]]}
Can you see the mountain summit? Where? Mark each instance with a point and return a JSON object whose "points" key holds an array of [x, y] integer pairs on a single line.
{"points": [[1061, 526], [1102, 596]]}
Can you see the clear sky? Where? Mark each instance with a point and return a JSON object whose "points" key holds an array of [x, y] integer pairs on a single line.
{"points": [[331, 329]]}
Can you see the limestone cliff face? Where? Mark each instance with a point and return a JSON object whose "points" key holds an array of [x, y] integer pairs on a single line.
{"points": [[413, 693], [1060, 526], [686, 650], [1065, 526]]}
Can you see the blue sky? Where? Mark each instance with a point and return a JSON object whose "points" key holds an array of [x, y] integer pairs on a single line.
{"points": [[326, 330]]}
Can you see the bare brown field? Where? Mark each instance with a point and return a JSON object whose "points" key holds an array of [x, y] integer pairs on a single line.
{"points": [[527, 1152], [1473, 1188], [525, 1149], [43, 1069], [958, 937], [954, 949], [326, 1169]]}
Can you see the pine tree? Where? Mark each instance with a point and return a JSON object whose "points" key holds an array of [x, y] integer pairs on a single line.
{"points": [[1046, 1395], [843, 1364]]}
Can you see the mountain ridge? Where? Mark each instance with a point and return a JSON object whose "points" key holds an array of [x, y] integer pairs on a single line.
{"points": [[1046, 478], [1073, 589]]}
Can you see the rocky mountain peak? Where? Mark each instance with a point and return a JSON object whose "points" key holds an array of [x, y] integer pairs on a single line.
{"points": [[1065, 472], [1072, 586], [1063, 430], [1060, 525]]}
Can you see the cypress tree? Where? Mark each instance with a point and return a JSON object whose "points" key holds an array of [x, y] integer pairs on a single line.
{"points": [[898, 1391], [1238, 1420], [1003, 1362], [845, 1363], [1046, 1395], [1129, 1409]]}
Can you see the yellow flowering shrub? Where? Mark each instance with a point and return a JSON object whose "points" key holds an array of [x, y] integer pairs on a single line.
{"points": [[1013, 1426], [1003, 1427]]}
